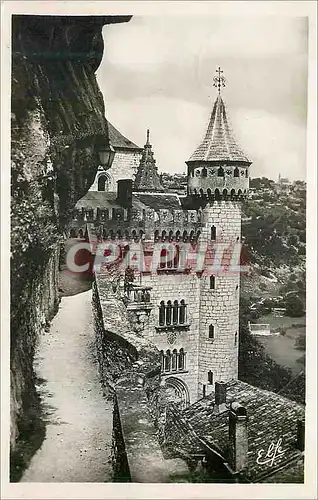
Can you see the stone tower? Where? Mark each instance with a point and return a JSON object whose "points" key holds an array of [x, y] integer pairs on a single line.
{"points": [[218, 179], [189, 311]]}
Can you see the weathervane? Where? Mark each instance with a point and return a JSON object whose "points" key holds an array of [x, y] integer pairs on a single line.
{"points": [[219, 81]]}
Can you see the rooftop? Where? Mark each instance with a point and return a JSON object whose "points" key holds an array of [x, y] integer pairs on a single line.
{"points": [[119, 141], [147, 177], [270, 417], [219, 143]]}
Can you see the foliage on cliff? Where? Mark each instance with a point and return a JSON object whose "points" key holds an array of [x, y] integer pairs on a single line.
{"points": [[276, 229], [257, 368]]}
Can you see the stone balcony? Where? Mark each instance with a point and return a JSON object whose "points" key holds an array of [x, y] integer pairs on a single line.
{"points": [[137, 298]]}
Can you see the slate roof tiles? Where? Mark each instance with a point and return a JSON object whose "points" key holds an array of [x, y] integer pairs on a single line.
{"points": [[219, 143]]}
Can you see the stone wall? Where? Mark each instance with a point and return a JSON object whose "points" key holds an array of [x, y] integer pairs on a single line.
{"points": [[220, 306], [177, 286], [130, 373], [124, 166], [57, 116]]}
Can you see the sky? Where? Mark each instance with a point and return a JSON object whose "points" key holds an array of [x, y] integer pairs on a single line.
{"points": [[157, 73]]}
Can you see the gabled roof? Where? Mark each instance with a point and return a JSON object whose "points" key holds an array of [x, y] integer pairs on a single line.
{"points": [[147, 177], [219, 143], [119, 141]]}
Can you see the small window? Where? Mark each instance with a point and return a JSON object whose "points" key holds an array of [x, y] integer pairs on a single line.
{"points": [[204, 172], [182, 312], [162, 313], [221, 172], [174, 360], [211, 332], [210, 377], [235, 339], [167, 363], [204, 390], [212, 282], [162, 360], [175, 312], [236, 172], [168, 312], [181, 363], [102, 183], [213, 233]]}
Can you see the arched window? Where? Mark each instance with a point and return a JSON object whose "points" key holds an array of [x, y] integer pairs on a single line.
{"points": [[174, 359], [212, 282], [167, 363], [175, 313], [162, 358], [102, 183], [176, 256], [168, 313], [213, 233], [163, 258], [181, 360], [210, 377], [162, 311], [246, 173], [211, 332], [236, 172], [221, 172], [182, 313], [235, 339], [204, 172]]}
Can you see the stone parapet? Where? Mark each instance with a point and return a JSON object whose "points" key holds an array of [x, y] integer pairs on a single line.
{"points": [[130, 371]]}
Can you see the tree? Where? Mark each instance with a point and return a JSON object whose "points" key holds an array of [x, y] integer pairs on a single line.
{"points": [[294, 306]]}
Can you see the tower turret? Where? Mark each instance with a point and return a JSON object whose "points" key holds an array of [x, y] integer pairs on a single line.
{"points": [[147, 177], [218, 168]]}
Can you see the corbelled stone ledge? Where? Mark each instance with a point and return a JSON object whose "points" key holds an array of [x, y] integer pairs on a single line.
{"points": [[130, 370]]}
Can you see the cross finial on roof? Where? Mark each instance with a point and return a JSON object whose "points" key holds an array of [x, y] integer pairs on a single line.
{"points": [[219, 81]]}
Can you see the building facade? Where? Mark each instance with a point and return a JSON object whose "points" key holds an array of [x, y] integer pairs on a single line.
{"points": [[125, 163], [190, 312]]}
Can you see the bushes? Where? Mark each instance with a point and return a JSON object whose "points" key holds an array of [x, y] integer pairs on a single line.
{"points": [[257, 368], [294, 306]]}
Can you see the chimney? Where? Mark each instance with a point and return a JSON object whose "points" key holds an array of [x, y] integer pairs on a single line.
{"points": [[124, 192], [238, 437], [220, 397], [300, 444]]}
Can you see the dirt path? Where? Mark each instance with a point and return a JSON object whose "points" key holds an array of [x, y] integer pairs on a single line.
{"points": [[77, 445]]}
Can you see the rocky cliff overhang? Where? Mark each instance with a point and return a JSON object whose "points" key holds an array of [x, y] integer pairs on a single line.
{"points": [[57, 119]]}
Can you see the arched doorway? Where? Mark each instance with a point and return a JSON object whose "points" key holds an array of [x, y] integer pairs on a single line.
{"points": [[179, 391], [103, 183]]}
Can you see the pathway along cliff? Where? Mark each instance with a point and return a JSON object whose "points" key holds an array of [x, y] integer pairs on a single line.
{"points": [[77, 445]]}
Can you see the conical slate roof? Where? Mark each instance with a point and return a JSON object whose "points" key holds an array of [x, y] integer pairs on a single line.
{"points": [[147, 177], [219, 143]]}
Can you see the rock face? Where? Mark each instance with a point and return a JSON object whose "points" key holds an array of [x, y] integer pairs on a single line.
{"points": [[58, 124]]}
